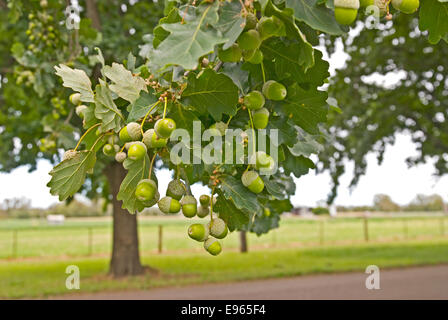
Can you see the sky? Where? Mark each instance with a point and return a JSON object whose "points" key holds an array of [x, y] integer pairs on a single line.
{"points": [[393, 177]]}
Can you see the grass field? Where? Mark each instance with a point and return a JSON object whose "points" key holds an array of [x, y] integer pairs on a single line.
{"points": [[46, 277], [35, 238]]}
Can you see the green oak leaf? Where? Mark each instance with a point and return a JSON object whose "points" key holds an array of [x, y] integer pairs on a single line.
{"points": [[184, 118], [306, 108], [306, 53], [234, 218], [306, 145], [212, 92], [77, 80], [106, 110], [190, 40], [243, 198], [137, 170], [125, 85], [299, 166], [316, 16], [287, 134], [288, 63], [239, 76], [434, 18], [160, 34], [141, 106], [230, 23], [68, 176]]}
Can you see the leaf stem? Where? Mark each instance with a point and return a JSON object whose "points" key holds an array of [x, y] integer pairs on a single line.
{"points": [[164, 109], [151, 165], [84, 135], [211, 204], [253, 130], [97, 140], [262, 72], [147, 114]]}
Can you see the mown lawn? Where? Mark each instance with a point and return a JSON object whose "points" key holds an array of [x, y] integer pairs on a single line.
{"points": [[41, 277], [36, 239]]}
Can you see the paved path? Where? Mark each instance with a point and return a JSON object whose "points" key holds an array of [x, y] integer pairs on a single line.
{"points": [[429, 282]]}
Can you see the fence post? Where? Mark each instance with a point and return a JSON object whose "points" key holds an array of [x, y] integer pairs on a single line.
{"points": [[90, 241], [160, 244], [366, 229], [321, 232], [405, 228], [14, 243], [442, 226]]}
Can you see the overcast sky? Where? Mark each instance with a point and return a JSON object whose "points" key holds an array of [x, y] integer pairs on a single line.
{"points": [[393, 177]]}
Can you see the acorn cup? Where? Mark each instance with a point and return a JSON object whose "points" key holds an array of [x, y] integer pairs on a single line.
{"points": [[252, 181], [176, 189], [189, 206], [169, 205], [345, 11]]}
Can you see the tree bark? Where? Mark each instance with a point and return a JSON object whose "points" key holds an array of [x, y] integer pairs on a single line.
{"points": [[92, 14], [125, 259], [243, 241]]}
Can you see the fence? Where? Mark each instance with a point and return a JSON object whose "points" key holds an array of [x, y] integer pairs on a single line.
{"points": [[172, 237]]}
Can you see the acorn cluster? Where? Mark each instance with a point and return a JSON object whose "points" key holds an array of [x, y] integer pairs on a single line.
{"points": [[346, 10], [42, 33]]}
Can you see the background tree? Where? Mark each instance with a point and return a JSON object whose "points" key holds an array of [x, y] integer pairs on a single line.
{"points": [[383, 202], [36, 118], [373, 113]]}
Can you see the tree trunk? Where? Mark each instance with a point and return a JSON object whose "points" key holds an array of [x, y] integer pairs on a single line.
{"points": [[243, 241], [125, 252]]}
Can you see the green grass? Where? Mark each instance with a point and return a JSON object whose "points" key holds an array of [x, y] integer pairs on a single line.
{"points": [[44, 277], [37, 239]]}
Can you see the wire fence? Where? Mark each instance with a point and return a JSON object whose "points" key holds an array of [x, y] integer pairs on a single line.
{"points": [[47, 241]]}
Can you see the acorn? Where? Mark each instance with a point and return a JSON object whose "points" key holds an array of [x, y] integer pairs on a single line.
{"points": [[169, 205], [189, 206], [345, 11], [218, 228], [252, 181], [176, 189], [406, 6]]}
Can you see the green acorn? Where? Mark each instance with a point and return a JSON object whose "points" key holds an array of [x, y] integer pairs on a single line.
{"points": [[75, 98], [176, 189], [124, 135], [120, 157], [169, 205], [256, 58], [218, 228], [231, 54], [151, 140], [252, 181], [109, 150], [198, 232], [146, 190], [261, 118], [267, 212], [249, 40], [204, 200], [406, 6], [251, 21], [189, 206], [254, 100], [134, 131], [345, 11], [271, 27], [220, 126], [69, 154], [137, 150], [203, 211], [274, 90], [80, 110], [366, 3], [213, 246], [164, 127], [153, 201]]}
